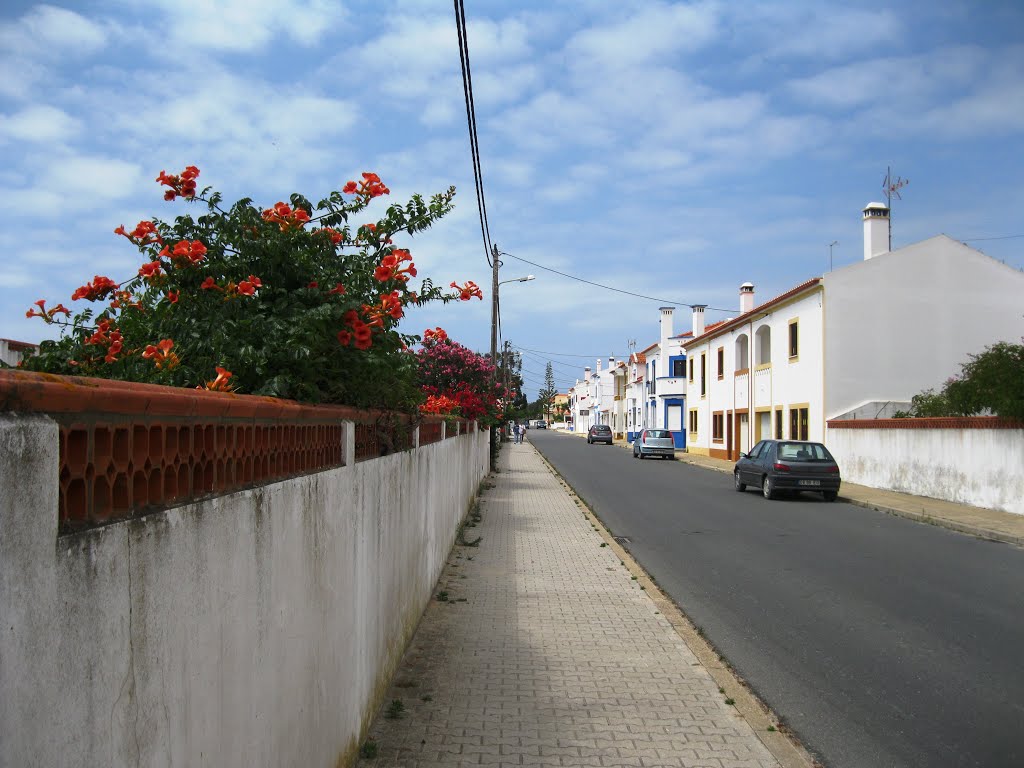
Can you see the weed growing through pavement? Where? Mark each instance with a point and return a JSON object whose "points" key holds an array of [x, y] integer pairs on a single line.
{"points": [[604, 543], [771, 728], [730, 702], [369, 749], [721, 689], [395, 709], [442, 596], [632, 578]]}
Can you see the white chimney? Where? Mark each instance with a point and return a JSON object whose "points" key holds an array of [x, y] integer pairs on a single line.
{"points": [[586, 373], [598, 369], [698, 319], [611, 363], [746, 298], [876, 230], [666, 323]]}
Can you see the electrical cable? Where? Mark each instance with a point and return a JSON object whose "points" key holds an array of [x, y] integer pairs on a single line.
{"points": [[617, 290], [474, 144]]}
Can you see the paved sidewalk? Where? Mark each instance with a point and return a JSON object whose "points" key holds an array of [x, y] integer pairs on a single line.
{"points": [[546, 651]]}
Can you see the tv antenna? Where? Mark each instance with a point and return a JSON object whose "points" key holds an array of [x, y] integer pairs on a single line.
{"points": [[892, 189]]}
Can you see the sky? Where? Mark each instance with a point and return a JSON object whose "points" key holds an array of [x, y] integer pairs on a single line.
{"points": [[669, 150]]}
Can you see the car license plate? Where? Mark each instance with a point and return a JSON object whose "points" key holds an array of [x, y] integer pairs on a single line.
{"points": [[809, 482]]}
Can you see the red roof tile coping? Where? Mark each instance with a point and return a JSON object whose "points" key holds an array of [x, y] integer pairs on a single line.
{"points": [[930, 422], [28, 391]]}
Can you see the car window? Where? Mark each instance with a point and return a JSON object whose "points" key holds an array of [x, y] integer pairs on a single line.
{"points": [[755, 452], [658, 433], [804, 452]]}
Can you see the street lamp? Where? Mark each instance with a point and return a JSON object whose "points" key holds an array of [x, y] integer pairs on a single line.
{"points": [[834, 242]]}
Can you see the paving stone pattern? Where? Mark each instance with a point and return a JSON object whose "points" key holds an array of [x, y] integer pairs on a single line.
{"points": [[547, 653]]}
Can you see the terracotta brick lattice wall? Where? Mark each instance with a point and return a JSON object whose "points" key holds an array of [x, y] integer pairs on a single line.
{"points": [[111, 470]]}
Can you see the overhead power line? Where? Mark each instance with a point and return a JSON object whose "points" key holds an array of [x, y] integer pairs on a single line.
{"points": [[617, 290], [474, 144], [979, 239], [568, 354]]}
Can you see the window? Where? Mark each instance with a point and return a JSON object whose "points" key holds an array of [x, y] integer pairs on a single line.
{"points": [[763, 345], [693, 422], [778, 424], [756, 450], [798, 426], [721, 362], [691, 371], [742, 353], [718, 426], [703, 374], [794, 339], [679, 367]]}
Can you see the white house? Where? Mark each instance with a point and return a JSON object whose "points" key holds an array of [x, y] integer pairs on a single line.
{"points": [[851, 343], [13, 352]]}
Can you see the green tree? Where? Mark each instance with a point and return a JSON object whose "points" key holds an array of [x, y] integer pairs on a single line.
{"points": [[546, 396], [991, 381]]}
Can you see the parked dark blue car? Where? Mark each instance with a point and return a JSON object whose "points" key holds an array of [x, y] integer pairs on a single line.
{"points": [[776, 466]]}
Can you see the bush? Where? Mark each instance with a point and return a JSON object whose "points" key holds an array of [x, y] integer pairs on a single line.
{"points": [[295, 301]]}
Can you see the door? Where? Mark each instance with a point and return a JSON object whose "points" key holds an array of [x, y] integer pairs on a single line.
{"points": [[744, 430]]}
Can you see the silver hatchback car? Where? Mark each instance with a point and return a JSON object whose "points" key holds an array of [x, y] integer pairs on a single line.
{"points": [[654, 442]]}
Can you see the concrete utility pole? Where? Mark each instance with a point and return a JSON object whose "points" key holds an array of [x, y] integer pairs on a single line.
{"points": [[495, 263]]}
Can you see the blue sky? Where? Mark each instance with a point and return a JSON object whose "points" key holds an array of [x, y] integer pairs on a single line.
{"points": [[674, 150]]}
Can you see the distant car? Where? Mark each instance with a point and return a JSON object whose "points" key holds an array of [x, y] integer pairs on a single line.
{"points": [[775, 466], [600, 433], [654, 442], [541, 424]]}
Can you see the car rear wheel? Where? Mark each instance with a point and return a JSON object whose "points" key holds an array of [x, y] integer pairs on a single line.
{"points": [[830, 495], [768, 487], [740, 486]]}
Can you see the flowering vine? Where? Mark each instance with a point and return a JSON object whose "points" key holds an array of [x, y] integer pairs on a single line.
{"points": [[288, 300]]}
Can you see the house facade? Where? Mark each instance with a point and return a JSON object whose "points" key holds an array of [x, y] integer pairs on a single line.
{"points": [[851, 343], [13, 352]]}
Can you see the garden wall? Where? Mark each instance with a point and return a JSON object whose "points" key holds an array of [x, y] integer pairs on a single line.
{"points": [[977, 461], [192, 579]]}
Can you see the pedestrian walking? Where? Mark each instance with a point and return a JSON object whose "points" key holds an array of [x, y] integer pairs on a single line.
{"points": [[517, 433]]}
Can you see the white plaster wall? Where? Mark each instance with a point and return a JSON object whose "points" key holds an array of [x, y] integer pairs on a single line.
{"points": [[980, 467], [904, 321], [254, 629]]}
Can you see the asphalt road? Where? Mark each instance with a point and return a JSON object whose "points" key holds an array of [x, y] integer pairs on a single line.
{"points": [[880, 641]]}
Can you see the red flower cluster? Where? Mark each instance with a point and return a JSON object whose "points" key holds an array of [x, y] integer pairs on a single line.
{"points": [[436, 335], [150, 270], [283, 215], [47, 314], [220, 384], [161, 354], [186, 252], [390, 305], [109, 336], [390, 267], [99, 288], [144, 234], [439, 404], [181, 185], [335, 235], [370, 186], [123, 300], [361, 332], [468, 291], [243, 288]]}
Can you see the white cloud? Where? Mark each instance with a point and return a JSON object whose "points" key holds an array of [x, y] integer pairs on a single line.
{"points": [[248, 25], [650, 35], [53, 32], [39, 123]]}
